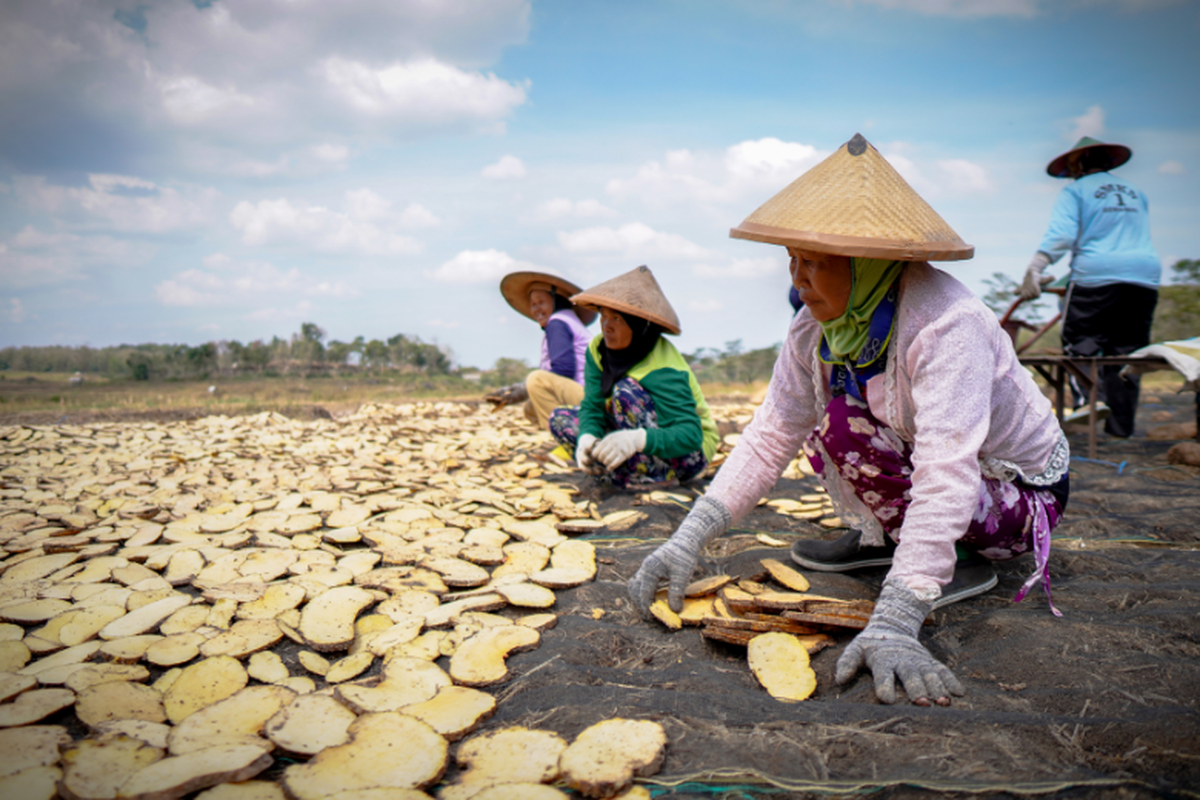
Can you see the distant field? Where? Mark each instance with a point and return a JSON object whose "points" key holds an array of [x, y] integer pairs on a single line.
{"points": [[22, 393], [39, 396]]}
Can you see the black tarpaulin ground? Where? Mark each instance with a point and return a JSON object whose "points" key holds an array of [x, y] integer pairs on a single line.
{"points": [[1103, 702]]}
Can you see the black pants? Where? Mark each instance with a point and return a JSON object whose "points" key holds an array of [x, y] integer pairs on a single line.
{"points": [[1109, 320]]}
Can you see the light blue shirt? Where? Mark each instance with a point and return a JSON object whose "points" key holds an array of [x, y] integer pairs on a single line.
{"points": [[1104, 223]]}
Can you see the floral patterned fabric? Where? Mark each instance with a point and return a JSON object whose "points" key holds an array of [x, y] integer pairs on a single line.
{"points": [[1010, 518], [629, 407]]}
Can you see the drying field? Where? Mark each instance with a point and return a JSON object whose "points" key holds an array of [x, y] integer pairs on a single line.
{"points": [[419, 601]]}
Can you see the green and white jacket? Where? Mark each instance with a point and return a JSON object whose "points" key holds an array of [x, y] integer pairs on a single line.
{"points": [[685, 424]]}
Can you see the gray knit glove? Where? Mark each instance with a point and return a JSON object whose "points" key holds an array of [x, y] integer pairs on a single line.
{"points": [[888, 646], [676, 558]]}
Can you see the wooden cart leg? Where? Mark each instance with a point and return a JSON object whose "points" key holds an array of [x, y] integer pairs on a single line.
{"points": [[1095, 390]]}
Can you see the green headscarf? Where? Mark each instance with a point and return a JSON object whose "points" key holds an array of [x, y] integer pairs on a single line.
{"points": [[870, 279]]}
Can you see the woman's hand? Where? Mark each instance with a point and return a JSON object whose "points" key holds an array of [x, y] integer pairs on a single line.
{"points": [[888, 646], [583, 455], [616, 448], [676, 558]]}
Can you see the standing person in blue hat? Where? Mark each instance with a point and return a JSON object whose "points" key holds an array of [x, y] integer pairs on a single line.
{"points": [[1103, 221]]}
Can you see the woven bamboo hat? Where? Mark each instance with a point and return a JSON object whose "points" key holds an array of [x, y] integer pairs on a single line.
{"points": [[516, 286], [854, 203], [1099, 155], [637, 293]]}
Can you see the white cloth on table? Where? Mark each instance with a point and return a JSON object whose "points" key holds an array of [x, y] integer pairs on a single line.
{"points": [[1182, 355]]}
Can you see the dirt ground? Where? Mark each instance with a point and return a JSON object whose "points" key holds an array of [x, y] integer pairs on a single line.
{"points": [[1103, 702]]}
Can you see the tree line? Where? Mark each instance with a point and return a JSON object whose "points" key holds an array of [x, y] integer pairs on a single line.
{"points": [[307, 351], [304, 352]]}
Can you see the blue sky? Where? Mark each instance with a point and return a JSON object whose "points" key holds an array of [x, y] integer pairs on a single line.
{"points": [[187, 172]]}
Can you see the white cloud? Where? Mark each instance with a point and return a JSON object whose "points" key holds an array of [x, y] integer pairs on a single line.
{"points": [[250, 168], [437, 323], [705, 306], [367, 227], [1090, 123], [416, 215], [561, 208], [13, 312], [964, 176], [225, 281], [367, 205], [279, 316], [963, 8], [742, 172], [770, 159], [508, 167], [33, 258], [189, 100], [122, 203], [334, 153], [1171, 168], [635, 240], [935, 179], [480, 266], [742, 268], [423, 92], [147, 79]]}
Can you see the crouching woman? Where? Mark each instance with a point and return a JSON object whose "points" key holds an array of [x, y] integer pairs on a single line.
{"points": [[643, 420], [935, 445]]}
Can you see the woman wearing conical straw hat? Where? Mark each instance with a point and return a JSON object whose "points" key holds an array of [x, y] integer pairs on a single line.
{"points": [[558, 380], [643, 420], [935, 445], [1103, 222]]}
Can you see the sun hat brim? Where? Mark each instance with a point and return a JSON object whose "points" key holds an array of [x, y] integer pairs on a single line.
{"points": [[515, 286], [637, 293], [857, 246], [1115, 154], [855, 203]]}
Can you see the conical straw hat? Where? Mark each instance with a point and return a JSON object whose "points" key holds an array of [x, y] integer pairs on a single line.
{"points": [[854, 203], [1102, 154], [636, 292], [516, 286]]}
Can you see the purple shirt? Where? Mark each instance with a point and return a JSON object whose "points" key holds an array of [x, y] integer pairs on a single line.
{"points": [[564, 346]]}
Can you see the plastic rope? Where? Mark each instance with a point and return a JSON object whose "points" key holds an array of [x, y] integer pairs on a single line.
{"points": [[751, 784], [1120, 467]]}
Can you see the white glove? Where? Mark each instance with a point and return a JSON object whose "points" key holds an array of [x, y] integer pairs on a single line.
{"points": [[583, 454], [1031, 287], [615, 449]]}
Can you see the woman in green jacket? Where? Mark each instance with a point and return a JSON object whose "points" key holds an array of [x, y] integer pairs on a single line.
{"points": [[643, 419]]}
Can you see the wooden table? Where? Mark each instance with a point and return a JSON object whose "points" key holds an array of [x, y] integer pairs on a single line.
{"points": [[1054, 368]]}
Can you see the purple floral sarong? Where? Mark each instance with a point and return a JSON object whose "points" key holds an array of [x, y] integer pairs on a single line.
{"points": [[1010, 519], [630, 407]]}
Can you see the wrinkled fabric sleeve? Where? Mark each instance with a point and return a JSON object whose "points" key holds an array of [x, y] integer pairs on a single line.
{"points": [[1064, 227], [678, 432], [773, 438], [591, 410], [952, 363], [560, 344]]}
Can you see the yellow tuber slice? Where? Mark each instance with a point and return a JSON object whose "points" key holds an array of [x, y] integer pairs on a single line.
{"points": [[480, 660], [780, 663], [785, 575], [386, 750], [604, 759]]}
